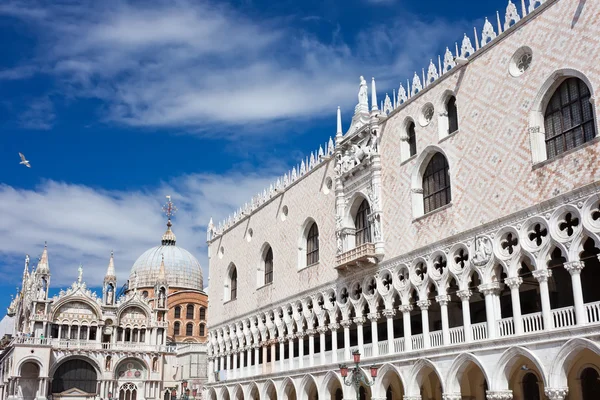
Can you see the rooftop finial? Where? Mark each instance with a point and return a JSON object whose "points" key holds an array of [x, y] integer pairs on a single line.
{"points": [[110, 271], [373, 95], [169, 209], [339, 123]]}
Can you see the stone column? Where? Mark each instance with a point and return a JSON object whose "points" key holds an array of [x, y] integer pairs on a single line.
{"points": [[389, 315], [311, 347], [405, 310], [542, 276], [490, 290], [443, 302], [211, 371], [575, 268], [273, 356], [300, 336], [281, 340], [234, 370], [556, 393], [241, 366], [514, 283], [359, 321], [322, 330], [424, 306], [256, 354], [59, 331], [334, 345], [465, 295], [346, 324], [499, 395], [290, 339], [374, 339]]}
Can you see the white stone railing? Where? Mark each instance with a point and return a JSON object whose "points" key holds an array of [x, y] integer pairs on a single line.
{"points": [[564, 317], [457, 335], [593, 312], [358, 253], [31, 340], [417, 342], [436, 338], [533, 322], [479, 331], [368, 350], [399, 345], [506, 327], [383, 347]]}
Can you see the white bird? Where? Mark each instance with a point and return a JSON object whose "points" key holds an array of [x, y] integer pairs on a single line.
{"points": [[24, 161]]}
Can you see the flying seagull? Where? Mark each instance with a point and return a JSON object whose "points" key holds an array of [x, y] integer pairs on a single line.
{"points": [[24, 161]]}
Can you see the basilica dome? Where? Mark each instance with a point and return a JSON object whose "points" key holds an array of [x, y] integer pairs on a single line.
{"points": [[182, 269]]}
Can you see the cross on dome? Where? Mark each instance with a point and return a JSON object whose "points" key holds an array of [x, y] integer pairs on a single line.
{"points": [[169, 238]]}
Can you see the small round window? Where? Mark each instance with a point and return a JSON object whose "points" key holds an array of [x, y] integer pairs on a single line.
{"points": [[284, 213], [328, 185], [426, 114], [221, 252], [249, 234], [520, 61]]}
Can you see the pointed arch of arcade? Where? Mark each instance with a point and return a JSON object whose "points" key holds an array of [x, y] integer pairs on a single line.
{"points": [[566, 358], [268, 390], [459, 367], [253, 392], [288, 389], [212, 394], [307, 385], [331, 382], [506, 363], [416, 376], [388, 375], [225, 393], [237, 392]]}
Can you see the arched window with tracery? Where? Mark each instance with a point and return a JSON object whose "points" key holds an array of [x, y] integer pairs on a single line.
{"points": [[189, 311], [361, 224], [436, 183], [176, 328], [269, 266], [189, 329], [178, 312], [412, 139], [569, 117], [312, 245], [452, 115], [233, 284]]}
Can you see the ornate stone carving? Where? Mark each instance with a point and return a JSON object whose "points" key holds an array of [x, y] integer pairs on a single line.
{"points": [[556, 393], [442, 299], [499, 395], [512, 15], [388, 312], [513, 282], [483, 251], [464, 294], [466, 49], [575, 267], [405, 308], [542, 275], [423, 304]]}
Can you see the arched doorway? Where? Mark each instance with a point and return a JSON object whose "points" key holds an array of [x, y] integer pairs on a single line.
{"points": [[74, 377], [28, 383], [289, 391], [254, 394], [309, 391], [525, 379], [583, 374], [590, 383], [128, 391], [390, 384], [430, 385], [473, 384], [270, 392]]}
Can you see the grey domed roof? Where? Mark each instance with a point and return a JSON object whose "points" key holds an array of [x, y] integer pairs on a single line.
{"points": [[182, 269]]}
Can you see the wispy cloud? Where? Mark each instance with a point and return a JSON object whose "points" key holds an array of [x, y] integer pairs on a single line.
{"points": [[39, 114], [196, 64], [82, 224]]}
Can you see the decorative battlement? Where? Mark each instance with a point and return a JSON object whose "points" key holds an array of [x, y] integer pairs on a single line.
{"points": [[363, 113]]}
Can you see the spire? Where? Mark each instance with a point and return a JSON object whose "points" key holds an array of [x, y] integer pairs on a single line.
{"points": [[43, 266], [161, 271], [210, 230], [26, 270], [110, 272], [169, 238], [373, 95], [339, 132]]}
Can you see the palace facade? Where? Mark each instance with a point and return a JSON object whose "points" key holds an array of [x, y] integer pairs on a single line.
{"points": [[450, 235], [145, 344]]}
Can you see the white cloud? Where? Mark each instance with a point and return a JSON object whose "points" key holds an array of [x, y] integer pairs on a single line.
{"points": [[83, 224], [195, 64], [39, 114]]}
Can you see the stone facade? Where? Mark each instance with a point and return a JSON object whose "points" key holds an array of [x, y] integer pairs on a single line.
{"points": [[488, 293]]}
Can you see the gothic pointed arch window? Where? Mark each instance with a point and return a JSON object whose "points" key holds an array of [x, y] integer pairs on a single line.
{"points": [[412, 139], [436, 183], [361, 224], [590, 383], [269, 266], [178, 312], [233, 283], [569, 117], [312, 245], [189, 329], [176, 328], [531, 389], [189, 311], [452, 115]]}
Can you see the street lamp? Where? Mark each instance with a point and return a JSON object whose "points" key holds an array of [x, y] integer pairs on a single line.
{"points": [[356, 377]]}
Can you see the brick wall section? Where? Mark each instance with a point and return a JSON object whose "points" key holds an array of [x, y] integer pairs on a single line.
{"points": [[490, 164]]}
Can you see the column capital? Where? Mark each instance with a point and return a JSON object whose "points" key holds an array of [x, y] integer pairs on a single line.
{"points": [[542, 275], [423, 304], [281, 339], [346, 323], [310, 332], [322, 329], [452, 396], [513, 282], [291, 336], [556, 393], [373, 316], [499, 395], [489, 288], [442, 299], [405, 308], [464, 294], [388, 312], [359, 320], [574, 267], [334, 326], [416, 397], [300, 335]]}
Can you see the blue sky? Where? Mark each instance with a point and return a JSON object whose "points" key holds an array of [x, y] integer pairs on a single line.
{"points": [[117, 104]]}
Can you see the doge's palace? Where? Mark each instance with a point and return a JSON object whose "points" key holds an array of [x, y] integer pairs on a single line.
{"points": [[147, 343], [450, 235]]}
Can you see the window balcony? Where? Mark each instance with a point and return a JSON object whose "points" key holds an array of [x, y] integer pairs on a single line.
{"points": [[363, 255]]}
